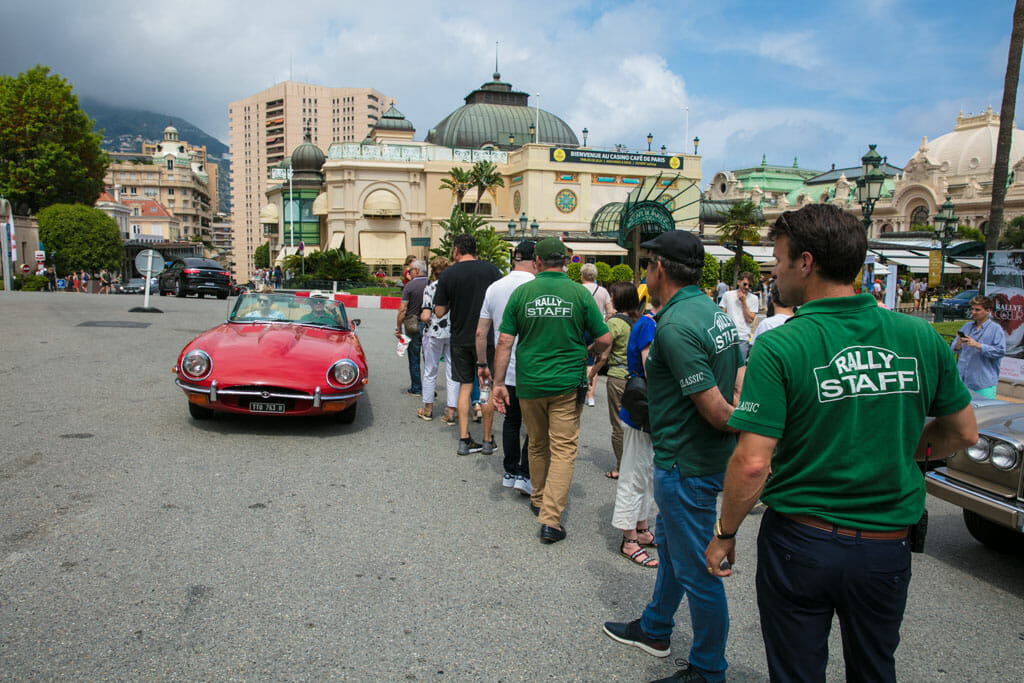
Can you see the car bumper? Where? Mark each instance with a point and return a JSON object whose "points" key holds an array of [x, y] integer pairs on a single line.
{"points": [[295, 402], [994, 508]]}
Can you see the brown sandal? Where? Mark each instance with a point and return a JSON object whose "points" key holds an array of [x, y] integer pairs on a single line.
{"points": [[425, 414], [649, 543], [640, 557]]}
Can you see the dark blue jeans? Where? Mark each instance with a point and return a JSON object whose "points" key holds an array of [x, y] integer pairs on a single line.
{"points": [[686, 522], [805, 575], [415, 347], [516, 460]]}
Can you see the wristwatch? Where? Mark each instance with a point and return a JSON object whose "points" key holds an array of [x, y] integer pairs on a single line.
{"points": [[720, 535], [481, 365]]}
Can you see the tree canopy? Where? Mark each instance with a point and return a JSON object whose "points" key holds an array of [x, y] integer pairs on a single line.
{"points": [[48, 152], [741, 222], [333, 264], [84, 238], [484, 175], [261, 257], [489, 247], [458, 181]]}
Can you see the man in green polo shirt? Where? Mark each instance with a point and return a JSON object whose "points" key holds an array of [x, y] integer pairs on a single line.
{"points": [[834, 403], [549, 314], [694, 370]]}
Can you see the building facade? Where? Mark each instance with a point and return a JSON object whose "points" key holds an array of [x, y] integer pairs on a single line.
{"points": [[383, 198], [173, 173], [265, 125]]}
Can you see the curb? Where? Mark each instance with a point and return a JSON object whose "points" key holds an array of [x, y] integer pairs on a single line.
{"points": [[391, 303]]}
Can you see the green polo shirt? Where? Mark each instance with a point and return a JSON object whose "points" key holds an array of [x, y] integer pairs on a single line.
{"points": [[695, 348], [549, 314], [845, 386]]}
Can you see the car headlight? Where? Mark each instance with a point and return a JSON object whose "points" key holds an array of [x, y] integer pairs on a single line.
{"points": [[1004, 456], [342, 374], [979, 451], [196, 364]]}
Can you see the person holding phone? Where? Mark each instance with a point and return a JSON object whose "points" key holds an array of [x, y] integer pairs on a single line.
{"points": [[981, 343]]}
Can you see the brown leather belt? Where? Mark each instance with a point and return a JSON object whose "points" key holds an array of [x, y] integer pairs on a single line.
{"points": [[847, 531]]}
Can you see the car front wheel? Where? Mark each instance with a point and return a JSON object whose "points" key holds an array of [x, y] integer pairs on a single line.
{"points": [[998, 538], [179, 291], [199, 412], [348, 416]]}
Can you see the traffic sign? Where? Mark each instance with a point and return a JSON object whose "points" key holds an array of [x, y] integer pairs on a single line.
{"points": [[142, 262], [25, 268], [40, 256]]}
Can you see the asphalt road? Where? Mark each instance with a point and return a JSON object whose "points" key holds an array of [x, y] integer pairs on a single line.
{"points": [[138, 544]]}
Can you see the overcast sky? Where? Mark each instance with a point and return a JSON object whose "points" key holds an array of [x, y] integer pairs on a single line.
{"points": [[816, 80]]}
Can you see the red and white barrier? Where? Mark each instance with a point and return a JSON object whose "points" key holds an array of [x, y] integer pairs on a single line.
{"points": [[361, 300]]}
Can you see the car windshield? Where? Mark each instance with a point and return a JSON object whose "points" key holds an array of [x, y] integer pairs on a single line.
{"points": [[969, 294], [288, 308]]}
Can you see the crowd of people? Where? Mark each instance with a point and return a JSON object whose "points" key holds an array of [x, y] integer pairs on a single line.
{"points": [[707, 402]]}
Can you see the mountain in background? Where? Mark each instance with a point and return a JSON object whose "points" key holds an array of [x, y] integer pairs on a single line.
{"points": [[125, 129]]}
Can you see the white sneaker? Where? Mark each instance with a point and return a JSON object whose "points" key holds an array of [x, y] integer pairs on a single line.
{"points": [[508, 479], [524, 486], [590, 402]]}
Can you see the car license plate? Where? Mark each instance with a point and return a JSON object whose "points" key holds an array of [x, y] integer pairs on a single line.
{"points": [[255, 407], [208, 284]]}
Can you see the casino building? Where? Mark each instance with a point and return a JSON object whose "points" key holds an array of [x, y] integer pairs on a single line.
{"points": [[382, 198]]}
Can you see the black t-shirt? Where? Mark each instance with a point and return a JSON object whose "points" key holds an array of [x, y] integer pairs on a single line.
{"points": [[461, 288]]}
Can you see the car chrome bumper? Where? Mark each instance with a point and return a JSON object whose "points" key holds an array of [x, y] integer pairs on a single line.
{"points": [[316, 397], [968, 497]]}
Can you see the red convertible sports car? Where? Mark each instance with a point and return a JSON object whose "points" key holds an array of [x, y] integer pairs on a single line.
{"points": [[277, 354]]}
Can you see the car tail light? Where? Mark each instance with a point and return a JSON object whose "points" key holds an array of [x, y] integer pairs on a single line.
{"points": [[191, 271], [225, 273]]}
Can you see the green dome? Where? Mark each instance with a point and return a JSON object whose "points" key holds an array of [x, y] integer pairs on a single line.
{"points": [[492, 113], [393, 120], [307, 157]]}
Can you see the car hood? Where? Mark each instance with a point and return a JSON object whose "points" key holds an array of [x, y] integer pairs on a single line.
{"points": [[1000, 417], [279, 354]]}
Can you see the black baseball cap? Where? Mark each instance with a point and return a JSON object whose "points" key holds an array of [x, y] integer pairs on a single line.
{"points": [[679, 246], [524, 251]]}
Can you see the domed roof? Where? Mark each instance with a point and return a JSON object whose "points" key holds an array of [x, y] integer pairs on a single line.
{"points": [[170, 130], [307, 157], [970, 149], [492, 113], [393, 119]]}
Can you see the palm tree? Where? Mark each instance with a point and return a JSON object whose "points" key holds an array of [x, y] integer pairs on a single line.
{"points": [[741, 223], [484, 176], [995, 219], [459, 181]]}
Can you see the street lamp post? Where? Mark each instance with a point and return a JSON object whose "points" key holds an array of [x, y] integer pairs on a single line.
{"points": [[663, 148], [869, 184], [533, 132], [534, 227], [585, 134], [945, 228], [696, 142], [650, 139], [522, 223], [511, 140], [511, 229]]}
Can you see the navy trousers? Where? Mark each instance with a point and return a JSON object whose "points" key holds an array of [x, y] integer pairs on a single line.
{"points": [[805, 575]]}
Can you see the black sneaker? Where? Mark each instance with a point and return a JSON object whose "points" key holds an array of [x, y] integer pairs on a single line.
{"points": [[687, 673], [488, 447], [467, 446], [632, 634]]}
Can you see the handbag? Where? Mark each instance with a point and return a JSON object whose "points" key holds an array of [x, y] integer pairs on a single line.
{"points": [[411, 325], [634, 400]]}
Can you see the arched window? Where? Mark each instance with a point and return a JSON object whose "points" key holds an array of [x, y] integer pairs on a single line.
{"points": [[919, 217]]}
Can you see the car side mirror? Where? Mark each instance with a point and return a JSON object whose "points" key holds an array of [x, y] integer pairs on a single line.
{"points": [[355, 322]]}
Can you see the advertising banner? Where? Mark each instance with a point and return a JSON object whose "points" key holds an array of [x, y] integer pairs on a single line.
{"points": [[593, 156], [1004, 284], [934, 268]]}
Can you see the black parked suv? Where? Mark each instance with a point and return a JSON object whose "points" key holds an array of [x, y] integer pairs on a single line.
{"points": [[195, 275]]}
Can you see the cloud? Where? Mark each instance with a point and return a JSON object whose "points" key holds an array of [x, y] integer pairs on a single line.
{"points": [[798, 49]]}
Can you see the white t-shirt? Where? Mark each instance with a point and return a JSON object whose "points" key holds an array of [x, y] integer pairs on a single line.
{"points": [[769, 324], [730, 303], [495, 299], [601, 297]]}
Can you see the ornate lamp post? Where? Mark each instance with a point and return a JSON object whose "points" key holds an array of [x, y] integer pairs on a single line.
{"points": [[696, 141], [663, 150], [511, 140], [650, 139], [869, 184], [511, 229], [945, 228], [522, 224], [534, 227], [533, 132], [585, 134]]}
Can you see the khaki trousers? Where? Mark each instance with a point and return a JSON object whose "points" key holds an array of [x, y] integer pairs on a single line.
{"points": [[553, 425], [614, 386]]}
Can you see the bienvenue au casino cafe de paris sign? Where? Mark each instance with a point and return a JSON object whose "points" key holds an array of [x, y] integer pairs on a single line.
{"points": [[593, 156]]}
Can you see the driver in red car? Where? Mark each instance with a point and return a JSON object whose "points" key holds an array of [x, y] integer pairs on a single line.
{"points": [[320, 314]]}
